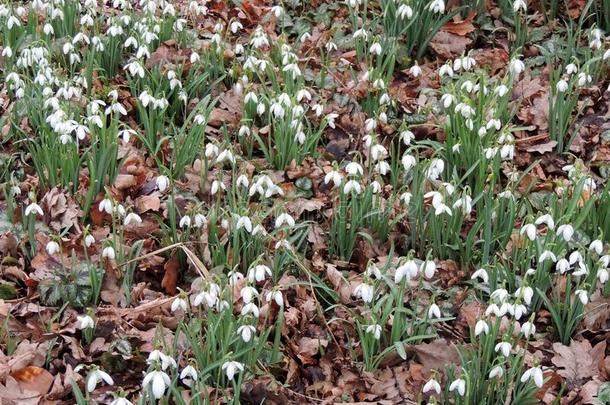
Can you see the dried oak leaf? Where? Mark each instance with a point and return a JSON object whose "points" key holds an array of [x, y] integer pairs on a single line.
{"points": [[61, 210], [307, 348], [448, 45], [32, 378], [435, 355], [170, 277], [579, 361]]}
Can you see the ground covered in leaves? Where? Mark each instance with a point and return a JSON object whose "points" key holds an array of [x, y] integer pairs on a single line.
{"points": [[384, 202]]}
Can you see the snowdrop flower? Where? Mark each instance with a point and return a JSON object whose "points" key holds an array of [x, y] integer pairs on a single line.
{"points": [[482, 274], [158, 381], [277, 296], [407, 270], [185, 221], [494, 309], [415, 70], [547, 254], [375, 330], [459, 385], [429, 268], [597, 246], [352, 185], [516, 66], [432, 385], [132, 217], [231, 368], [528, 329], [437, 6], [562, 265], [244, 222], [434, 311], [378, 152], [504, 347], [534, 373], [365, 292], [258, 273], [481, 327], [566, 232], [246, 332], [584, 79], [188, 375], [529, 230], [561, 86], [501, 90], [445, 70], [105, 206], [376, 49], [96, 376], [526, 293], [333, 176], [179, 304], [33, 208], [108, 253], [85, 322], [602, 275], [497, 371], [582, 296], [248, 293], [404, 11], [250, 308], [546, 219], [158, 356], [575, 257], [52, 247], [284, 219], [519, 5], [121, 401], [354, 169], [89, 240]]}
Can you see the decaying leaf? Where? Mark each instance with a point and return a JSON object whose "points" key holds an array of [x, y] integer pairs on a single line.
{"points": [[578, 362]]}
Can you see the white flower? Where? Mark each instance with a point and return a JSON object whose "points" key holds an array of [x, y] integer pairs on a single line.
{"points": [[33, 208], [354, 169], [95, 376], [376, 49], [562, 265], [231, 368], [158, 381], [432, 385], [246, 332], [429, 268], [277, 296], [437, 6], [528, 329], [159, 356], [121, 401], [284, 219], [185, 221], [434, 311], [519, 5], [547, 254], [504, 347], [597, 246], [602, 275], [162, 183], [89, 240], [85, 322], [352, 185], [333, 176], [546, 219], [516, 67], [407, 270], [566, 232], [132, 217], [105, 206], [497, 371], [52, 247], [459, 385], [529, 230], [415, 69], [582, 296], [108, 253], [364, 291], [534, 373], [179, 303], [526, 293], [561, 86], [188, 375], [482, 274], [250, 308], [481, 327], [375, 330], [258, 273], [244, 222]]}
